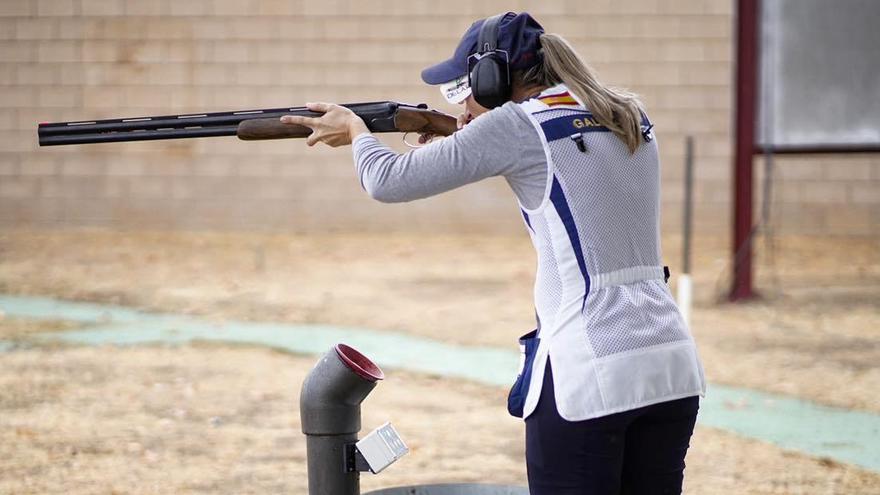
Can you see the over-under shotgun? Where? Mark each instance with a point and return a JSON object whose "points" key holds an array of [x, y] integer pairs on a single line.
{"points": [[382, 116]]}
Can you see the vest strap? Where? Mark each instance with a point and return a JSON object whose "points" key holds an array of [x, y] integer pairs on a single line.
{"points": [[581, 122], [565, 127], [626, 276]]}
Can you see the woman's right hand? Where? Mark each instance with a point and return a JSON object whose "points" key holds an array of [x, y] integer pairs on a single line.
{"points": [[462, 120]]}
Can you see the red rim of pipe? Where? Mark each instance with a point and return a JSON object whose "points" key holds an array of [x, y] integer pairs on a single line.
{"points": [[359, 363]]}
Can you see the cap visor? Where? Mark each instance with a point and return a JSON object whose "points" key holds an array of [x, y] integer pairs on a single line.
{"points": [[459, 97], [456, 91], [443, 72]]}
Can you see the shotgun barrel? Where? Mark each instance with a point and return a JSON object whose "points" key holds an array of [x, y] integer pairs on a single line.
{"points": [[382, 116]]}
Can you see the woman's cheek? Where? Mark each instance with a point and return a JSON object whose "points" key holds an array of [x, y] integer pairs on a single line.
{"points": [[473, 109]]}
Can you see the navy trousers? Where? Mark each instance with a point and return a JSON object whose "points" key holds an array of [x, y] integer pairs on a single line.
{"points": [[634, 452]]}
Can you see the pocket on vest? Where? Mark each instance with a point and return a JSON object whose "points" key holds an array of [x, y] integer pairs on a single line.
{"points": [[516, 399]]}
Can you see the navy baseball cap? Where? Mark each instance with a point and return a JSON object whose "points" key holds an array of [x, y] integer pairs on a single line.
{"points": [[518, 34]]}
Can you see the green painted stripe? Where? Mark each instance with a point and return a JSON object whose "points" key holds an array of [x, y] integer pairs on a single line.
{"points": [[840, 434], [124, 326], [844, 435]]}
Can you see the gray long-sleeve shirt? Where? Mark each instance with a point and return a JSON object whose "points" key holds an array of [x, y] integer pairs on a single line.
{"points": [[502, 142]]}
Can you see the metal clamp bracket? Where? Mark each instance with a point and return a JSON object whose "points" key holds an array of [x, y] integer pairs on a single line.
{"points": [[376, 451], [354, 460]]}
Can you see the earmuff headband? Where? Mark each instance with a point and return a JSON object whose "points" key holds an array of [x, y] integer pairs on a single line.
{"points": [[488, 39]]}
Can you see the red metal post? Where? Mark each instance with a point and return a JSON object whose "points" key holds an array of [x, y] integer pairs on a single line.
{"points": [[744, 146]]}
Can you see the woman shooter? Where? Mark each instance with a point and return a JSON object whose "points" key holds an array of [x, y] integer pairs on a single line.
{"points": [[611, 379]]}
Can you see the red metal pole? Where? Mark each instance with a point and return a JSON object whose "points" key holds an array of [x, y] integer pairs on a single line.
{"points": [[744, 146]]}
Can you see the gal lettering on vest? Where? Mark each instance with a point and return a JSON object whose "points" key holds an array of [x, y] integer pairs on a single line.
{"points": [[580, 123]]}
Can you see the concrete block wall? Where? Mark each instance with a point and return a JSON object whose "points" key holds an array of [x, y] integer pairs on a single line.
{"points": [[87, 59]]}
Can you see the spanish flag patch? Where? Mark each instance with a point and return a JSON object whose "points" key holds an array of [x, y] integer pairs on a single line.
{"points": [[558, 99]]}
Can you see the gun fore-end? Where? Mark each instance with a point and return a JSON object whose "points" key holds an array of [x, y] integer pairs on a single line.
{"points": [[260, 129]]}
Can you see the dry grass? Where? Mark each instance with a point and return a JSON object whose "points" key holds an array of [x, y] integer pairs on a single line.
{"points": [[20, 330], [812, 335]]}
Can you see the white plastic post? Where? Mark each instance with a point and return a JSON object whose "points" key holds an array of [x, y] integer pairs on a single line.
{"points": [[685, 290]]}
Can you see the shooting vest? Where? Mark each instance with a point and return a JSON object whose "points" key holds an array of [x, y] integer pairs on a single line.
{"points": [[606, 318]]}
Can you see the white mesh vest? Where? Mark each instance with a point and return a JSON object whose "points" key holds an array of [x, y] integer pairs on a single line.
{"points": [[607, 320]]}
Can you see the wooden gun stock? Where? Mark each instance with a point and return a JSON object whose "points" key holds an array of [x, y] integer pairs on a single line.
{"points": [[425, 121]]}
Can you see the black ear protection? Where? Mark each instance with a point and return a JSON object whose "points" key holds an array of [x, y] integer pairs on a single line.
{"points": [[489, 68]]}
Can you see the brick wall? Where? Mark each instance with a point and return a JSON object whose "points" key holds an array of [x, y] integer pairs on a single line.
{"points": [[77, 59]]}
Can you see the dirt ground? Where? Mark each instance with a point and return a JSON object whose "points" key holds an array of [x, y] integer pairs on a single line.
{"points": [[208, 419], [224, 419]]}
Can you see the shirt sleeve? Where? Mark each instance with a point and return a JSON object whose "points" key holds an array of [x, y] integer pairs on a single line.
{"points": [[491, 145]]}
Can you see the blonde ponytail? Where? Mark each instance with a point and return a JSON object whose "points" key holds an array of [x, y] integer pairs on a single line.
{"points": [[616, 109]]}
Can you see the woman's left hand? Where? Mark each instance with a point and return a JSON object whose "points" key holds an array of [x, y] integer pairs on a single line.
{"points": [[337, 127]]}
